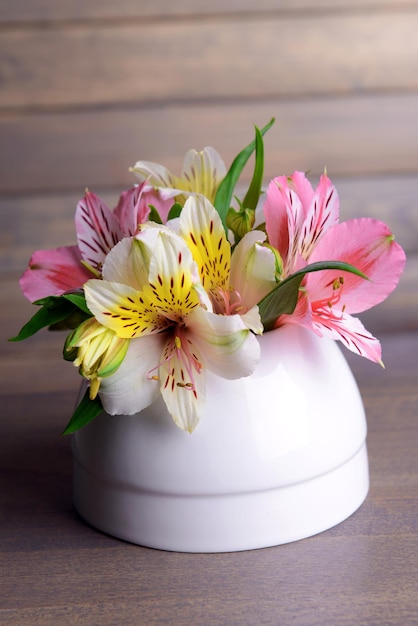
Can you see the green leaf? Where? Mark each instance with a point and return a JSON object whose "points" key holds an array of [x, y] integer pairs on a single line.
{"points": [[226, 188], [154, 216], [174, 211], [79, 300], [53, 310], [253, 194], [86, 411], [283, 299]]}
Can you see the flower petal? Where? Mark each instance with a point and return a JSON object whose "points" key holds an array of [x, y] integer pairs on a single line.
{"points": [[128, 262], [132, 210], [97, 229], [322, 214], [202, 229], [253, 269], [183, 382], [368, 245], [123, 309], [155, 174], [157, 199], [203, 172], [303, 189], [130, 389], [284, 215], [172, 276], [53, 272], [351, 332], [96, 350], [229, 349]]}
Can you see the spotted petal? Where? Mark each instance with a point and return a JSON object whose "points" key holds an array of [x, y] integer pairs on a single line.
{"points": [[132, 210], [321, 214], [368, 245], [172, 276], [202, 229], [97, 229], [351, 332], [183, 382], [133, 309], [123, 309]]}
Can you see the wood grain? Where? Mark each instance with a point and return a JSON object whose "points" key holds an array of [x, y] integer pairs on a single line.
{"points": [[46, 10], [244, 58], [350, 136]]}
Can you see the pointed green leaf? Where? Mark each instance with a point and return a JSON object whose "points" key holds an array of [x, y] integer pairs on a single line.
{"points": [[86, 411], [154, 216], [174, 211], [79, 300], [53, 310], [253, 194], [227, 186], [283, 299]]}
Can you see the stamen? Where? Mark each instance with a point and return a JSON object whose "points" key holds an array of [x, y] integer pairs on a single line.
{"points": [[95, 271], [189, 360], [325, 307], [231, 301]]}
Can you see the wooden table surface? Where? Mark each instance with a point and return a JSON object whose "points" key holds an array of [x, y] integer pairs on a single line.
{"points": [[55, 569], [88, 88]]}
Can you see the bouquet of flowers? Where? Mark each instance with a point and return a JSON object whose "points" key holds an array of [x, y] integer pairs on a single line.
{"points": [[176, 281]]}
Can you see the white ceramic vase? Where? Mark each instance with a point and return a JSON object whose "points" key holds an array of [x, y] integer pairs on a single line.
{"points": [[277, 457]]}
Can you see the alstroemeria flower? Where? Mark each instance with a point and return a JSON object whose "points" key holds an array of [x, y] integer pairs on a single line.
{"points": [[98, 229], [235, 282], [133, 208], [96, 350], [202, 173], [152, 295], [303, 225]]}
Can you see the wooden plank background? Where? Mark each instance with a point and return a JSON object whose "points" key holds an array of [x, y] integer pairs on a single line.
{"points": [[88, 88]]}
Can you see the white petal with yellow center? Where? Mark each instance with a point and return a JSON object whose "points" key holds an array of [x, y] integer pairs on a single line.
{"points": [[202, 229], [202, 172]]}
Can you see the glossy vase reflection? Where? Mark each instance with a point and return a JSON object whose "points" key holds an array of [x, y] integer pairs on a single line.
{"points": [[277, 457]]}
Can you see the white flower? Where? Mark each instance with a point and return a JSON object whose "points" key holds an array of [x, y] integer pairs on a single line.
{"points": [[152, 295], [202, 173]]}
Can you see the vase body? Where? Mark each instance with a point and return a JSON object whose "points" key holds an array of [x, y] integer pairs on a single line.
{"points": [[277, 457]]}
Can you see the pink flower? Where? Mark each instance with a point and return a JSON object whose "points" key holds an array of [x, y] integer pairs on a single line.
{"points": [[54, 272], [302, 224]]}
